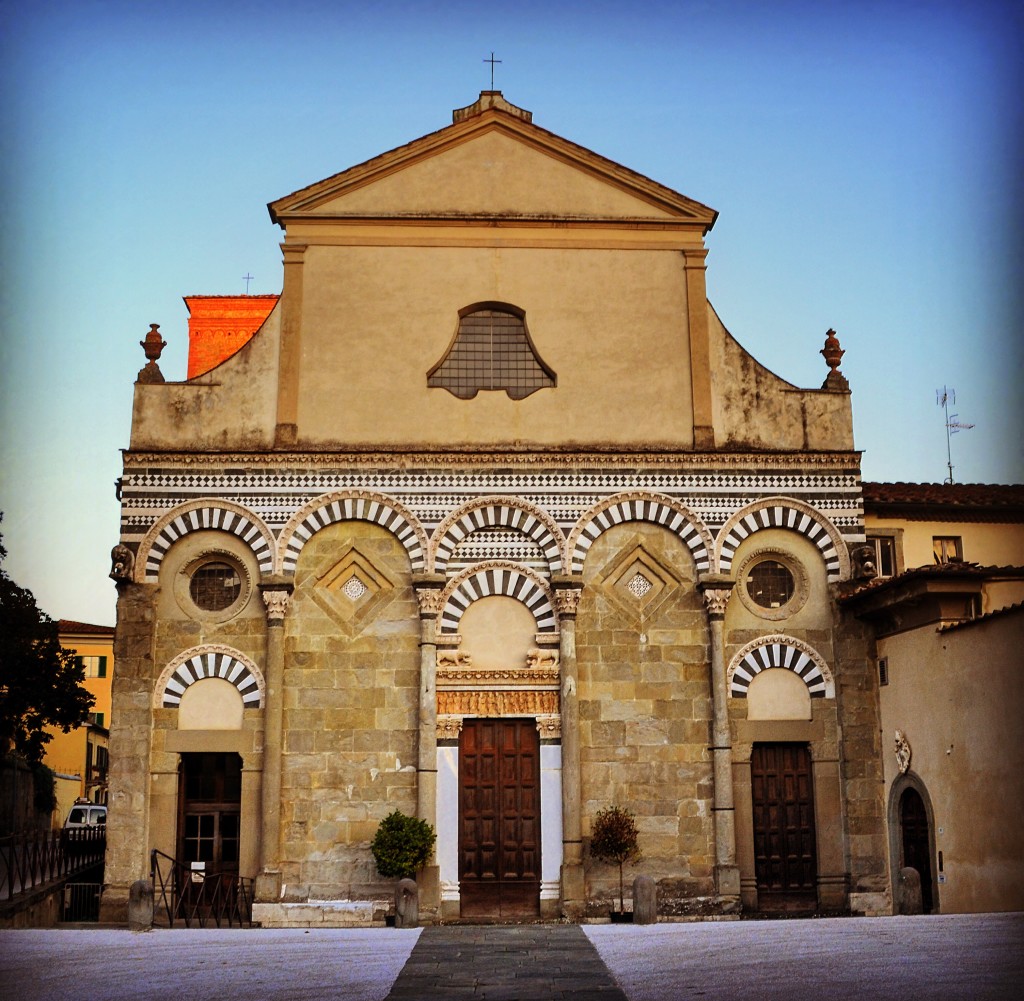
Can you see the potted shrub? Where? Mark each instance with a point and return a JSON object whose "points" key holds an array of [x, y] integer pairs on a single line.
{"points": [[401, 847], [615, 839]]}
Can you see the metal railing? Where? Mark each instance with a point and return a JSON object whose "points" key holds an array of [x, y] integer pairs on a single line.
{"points": [[196, 898], [82, 902], [33, 859]]}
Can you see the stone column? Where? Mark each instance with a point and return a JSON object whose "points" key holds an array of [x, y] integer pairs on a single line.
{"points": [[716, 589], [428, 594], [567, 598], [276, 594], [131, 734]]}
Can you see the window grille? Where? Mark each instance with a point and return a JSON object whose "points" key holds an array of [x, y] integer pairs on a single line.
{"points": [[215, 586], [770, 584], [492, 350]]}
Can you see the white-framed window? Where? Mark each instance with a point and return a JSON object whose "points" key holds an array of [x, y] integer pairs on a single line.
{"points": [[885, 554], [887, 544]]}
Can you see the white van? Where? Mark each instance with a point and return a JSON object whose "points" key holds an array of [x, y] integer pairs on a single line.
{"points": [[86, 815]]}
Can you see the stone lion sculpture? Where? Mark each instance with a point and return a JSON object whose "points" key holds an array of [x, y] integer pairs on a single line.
{"points": [[454, 658]]}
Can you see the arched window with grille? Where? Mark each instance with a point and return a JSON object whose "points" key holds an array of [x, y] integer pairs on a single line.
{"points": [[491, 350]]}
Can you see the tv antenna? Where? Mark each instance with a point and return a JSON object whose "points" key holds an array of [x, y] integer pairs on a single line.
{"points": [[943, 398]]}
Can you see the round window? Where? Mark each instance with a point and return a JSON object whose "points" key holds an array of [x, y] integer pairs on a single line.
{"points": [[215, 586], [770, 584]]}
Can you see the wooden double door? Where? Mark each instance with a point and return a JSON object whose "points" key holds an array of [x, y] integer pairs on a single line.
{"points": [[785, 855], [499, 818]]}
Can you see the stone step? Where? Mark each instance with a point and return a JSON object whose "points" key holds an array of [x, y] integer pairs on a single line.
{"points": [[319, 914]]}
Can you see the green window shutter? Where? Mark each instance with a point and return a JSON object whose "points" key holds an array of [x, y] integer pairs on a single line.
{"points": [[101, 669]]}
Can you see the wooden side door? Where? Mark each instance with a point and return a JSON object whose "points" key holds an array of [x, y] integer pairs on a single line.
{"points": [[499, 818], [785, 853]]}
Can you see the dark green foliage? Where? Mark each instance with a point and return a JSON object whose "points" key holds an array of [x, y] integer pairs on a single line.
{"points": [[40, 683], [615, 839], [44, 789], [402, 845]]}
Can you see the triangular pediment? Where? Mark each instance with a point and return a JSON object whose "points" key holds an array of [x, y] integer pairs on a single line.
{"points": [[492, 163]]}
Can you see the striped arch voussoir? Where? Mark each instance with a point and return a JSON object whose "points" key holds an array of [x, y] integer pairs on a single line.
{"points": [[788, 514], [488, 579], [499, 512], [210, 662], [222, 516], [653, 508], [785, 652], [352, 506]]}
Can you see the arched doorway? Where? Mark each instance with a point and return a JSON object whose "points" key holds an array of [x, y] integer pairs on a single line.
{"points": [[916, 841]]}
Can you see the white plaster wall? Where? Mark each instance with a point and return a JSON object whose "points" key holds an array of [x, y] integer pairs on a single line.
{"points": [[550, 820], [448, 820]]}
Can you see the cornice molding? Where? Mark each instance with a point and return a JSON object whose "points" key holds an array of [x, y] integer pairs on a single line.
{"points": [[399, 459], [306, 201]]}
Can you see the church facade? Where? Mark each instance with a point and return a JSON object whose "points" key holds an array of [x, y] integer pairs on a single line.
{"points": [[494, 523]]}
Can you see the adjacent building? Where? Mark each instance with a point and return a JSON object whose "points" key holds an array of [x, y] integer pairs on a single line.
{"points": [[948, 612], [494, 522], [80, 758]]}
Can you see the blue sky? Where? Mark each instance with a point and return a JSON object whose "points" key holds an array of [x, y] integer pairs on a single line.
{"points": [[865, 159]]}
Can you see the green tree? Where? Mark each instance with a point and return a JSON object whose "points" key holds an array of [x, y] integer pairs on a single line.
{"points": [[40, 682], [615, 839], [402, 845]]}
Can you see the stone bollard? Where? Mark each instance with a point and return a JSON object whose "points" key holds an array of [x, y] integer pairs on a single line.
{"points": [[645, 901], [140, 905], [407, 904], [908, 892]]}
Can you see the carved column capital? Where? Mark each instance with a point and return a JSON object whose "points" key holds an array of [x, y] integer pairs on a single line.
{"points": [[715, 589], [428, 588], [717, 600], [566, 589], [276, 601], [449, 727], [550, 727], [567, 601], [429, 601]]}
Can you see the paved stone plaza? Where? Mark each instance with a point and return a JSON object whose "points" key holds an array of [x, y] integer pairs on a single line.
{"points": [[941, 958]]}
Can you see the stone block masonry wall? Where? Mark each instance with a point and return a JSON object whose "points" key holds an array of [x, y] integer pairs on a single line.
{"points": [[861, 766], [350, 710], [645, 706]]}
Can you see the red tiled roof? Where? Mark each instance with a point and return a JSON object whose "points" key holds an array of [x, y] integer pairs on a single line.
{"points": [[933, 570], [67, 626], [995, 613], [958, 494], [965, 501]]}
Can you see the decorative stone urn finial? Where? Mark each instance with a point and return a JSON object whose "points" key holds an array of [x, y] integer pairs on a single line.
{"points": [[153, 345], [833, 354]]}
